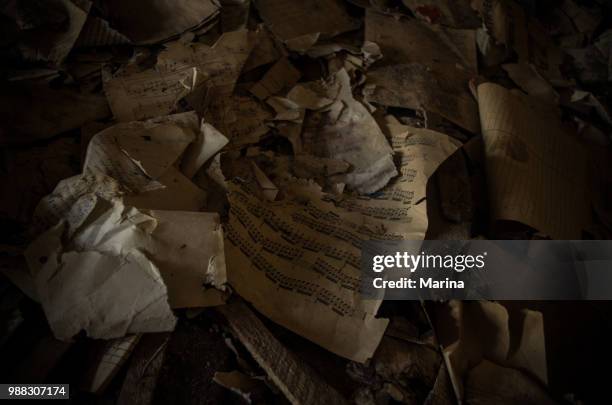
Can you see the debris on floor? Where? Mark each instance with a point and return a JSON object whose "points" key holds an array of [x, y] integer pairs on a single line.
{"points": [[186, 188]]}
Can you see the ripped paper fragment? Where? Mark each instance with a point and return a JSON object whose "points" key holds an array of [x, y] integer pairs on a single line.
{"points": [[98, 281]]}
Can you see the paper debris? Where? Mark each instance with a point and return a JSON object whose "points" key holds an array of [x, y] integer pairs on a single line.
{"points": [[528, 78], [99, 282], [418, 87], [114, 355], [181, 69], [281, 77], [188, 249], [98, 32], [240, 118], [485, 332], [430, 72], [209, 141], [282, 255], [137, 154], [427, 43], [532, 162], [178, 194], [342, 128], [148, 22], [295, 379], [289, 20]]}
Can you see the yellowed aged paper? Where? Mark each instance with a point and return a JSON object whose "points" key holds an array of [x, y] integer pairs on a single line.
{"points": [[536, 168], [281, 76], [340, 127], [208, 142], [242, 119], [137, 154], [179, 194], [297, 260], [97, 280], [180, 69], [188, 249]]}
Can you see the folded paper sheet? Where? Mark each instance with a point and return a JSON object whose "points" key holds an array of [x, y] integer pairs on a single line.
{"points": [[111, 270], [98, 280], [137, 154], [536, 168], [297, 260]]}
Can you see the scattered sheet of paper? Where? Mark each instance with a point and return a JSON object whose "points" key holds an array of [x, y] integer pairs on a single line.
{"points": [[289, 20], [536, 168], [431, 71], [149, 22], [297, 260], [528, 79], [406, 40], [209, 141], [137, 154], [300, 384], [342, 128], [242, 119], [280, 78], [187, 247], [181, 69], [485, 332], [490, 383], [114, 355], [98, 280], [97, 32], [419, 87], [179, 194]]}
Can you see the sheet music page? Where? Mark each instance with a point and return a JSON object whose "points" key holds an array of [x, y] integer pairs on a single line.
{"points": [[297, 260], [537, 169], [181, 69]]}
